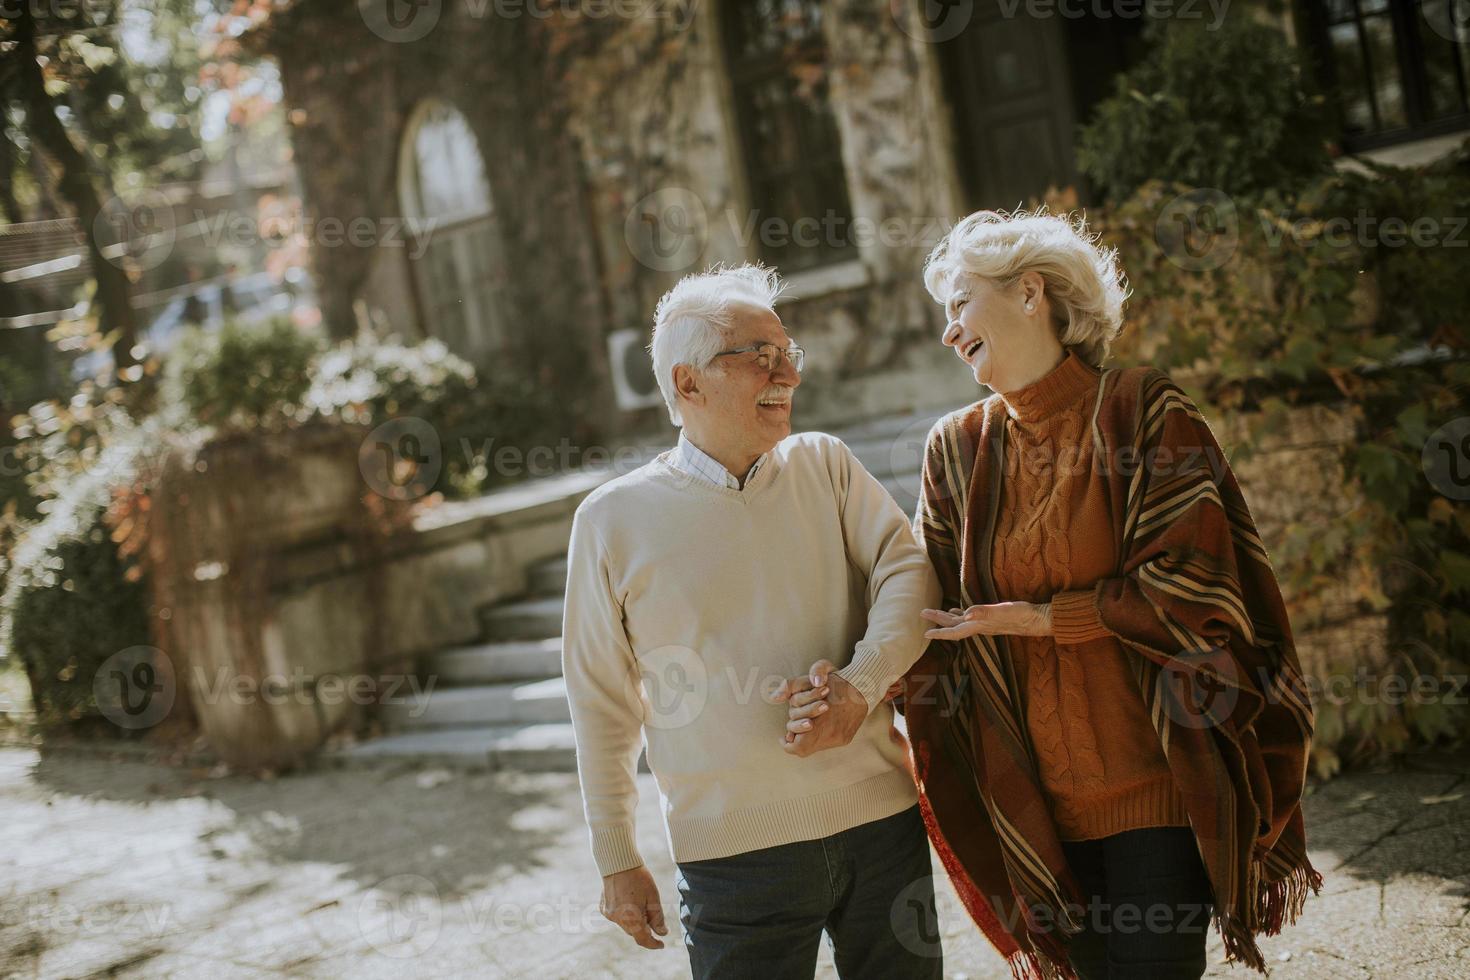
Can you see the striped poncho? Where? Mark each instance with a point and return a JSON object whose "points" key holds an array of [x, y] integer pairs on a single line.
{"points": [[1195, 605]]}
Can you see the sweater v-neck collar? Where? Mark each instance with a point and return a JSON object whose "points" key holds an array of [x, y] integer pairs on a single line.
{"points": [[764, 475]]}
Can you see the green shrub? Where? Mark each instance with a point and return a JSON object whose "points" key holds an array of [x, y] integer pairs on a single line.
{"points": [[1221, 108], [70, 602], [370, 381], [272, 376], [1317, 298], [244, 377]]}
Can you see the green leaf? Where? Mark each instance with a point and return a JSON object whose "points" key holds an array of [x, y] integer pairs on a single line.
{"points": [[1456, 568]]}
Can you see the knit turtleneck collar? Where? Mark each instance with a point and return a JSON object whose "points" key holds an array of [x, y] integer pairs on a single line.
{"points": [[1053, 391]]}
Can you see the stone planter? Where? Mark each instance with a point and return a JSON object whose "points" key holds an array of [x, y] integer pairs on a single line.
{"points": [[273, 652]]}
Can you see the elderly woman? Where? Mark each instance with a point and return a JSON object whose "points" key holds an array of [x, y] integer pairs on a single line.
{"points": [[1110, 729]]}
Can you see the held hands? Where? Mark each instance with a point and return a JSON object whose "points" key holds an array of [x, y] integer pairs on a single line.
{"points": [[997, 619], [630, 901], [825, 710]]}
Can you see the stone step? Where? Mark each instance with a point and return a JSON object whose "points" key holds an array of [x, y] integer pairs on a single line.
{"points": [[528, 619], [547, 578], [531, 748], [530, 703], [497, 663]]}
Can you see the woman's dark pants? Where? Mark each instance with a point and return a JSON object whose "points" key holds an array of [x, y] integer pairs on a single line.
{"points": [[1149, 903]]}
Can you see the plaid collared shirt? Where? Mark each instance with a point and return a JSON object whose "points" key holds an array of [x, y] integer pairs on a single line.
{"points": [[696, 462]]}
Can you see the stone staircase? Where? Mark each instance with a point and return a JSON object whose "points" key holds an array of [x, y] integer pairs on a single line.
{"points": [[501, 702]]}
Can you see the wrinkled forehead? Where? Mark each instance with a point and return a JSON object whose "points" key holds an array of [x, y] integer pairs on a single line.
{"points": [[753, 325]]}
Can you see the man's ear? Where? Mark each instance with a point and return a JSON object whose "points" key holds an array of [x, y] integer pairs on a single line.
{"points": [[686, 384]]}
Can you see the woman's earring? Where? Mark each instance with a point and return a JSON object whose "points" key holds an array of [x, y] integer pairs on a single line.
{"points": [[1030, 307]]}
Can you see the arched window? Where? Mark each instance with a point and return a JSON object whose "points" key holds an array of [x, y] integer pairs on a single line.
{"points": [[456, 252]]}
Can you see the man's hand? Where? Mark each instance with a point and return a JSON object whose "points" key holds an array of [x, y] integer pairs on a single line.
{"points": [[997, 619], [825, 710], [630, 900]]}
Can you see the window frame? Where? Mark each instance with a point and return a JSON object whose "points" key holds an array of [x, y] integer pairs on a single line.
{"points": [[743, 74], [1408, 25], [481, 327]]}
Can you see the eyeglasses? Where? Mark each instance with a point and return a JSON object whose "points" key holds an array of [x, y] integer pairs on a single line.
{"points": [[768, 356]]}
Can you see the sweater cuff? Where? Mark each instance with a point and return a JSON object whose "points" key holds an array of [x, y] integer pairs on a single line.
{"points": [[870, 674], [614, 849], [1074, 617]]}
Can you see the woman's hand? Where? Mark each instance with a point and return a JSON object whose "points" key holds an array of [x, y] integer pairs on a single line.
{"points": [[999, 619]]}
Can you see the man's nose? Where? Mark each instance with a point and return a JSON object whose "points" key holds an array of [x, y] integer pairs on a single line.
{"points": [[786, 373]]}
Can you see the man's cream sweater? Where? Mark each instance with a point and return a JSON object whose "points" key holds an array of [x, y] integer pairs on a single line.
{"points": [[687, 603]]}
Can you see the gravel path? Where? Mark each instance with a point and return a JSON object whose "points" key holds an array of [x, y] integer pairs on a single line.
{"points": [[122, 868]]}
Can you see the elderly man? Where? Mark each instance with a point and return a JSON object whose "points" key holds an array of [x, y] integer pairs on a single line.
{"points": [[699, 586]]}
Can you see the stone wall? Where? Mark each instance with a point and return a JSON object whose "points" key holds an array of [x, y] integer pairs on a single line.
{"points": [[1293, 479], [651, 109], [349, 95], [584, 121]]}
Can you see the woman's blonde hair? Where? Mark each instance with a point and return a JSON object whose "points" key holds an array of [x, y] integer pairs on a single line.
{"points": [[1082, 278]]}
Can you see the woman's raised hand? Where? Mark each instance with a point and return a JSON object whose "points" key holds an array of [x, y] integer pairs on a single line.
{"points": [[997, 619]]}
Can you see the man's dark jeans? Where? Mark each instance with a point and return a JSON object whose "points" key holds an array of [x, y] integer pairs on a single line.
{"points": [[1149, 903], [762, 913]]}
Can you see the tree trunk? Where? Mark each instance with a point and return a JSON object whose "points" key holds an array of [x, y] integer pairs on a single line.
{"points": [[114, 291]]}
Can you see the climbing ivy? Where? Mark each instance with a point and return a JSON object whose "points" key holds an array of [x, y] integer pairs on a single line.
{"points": [[1348, 293]]}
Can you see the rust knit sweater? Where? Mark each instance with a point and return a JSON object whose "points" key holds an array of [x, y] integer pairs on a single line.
{"points": [[1098, 756]]}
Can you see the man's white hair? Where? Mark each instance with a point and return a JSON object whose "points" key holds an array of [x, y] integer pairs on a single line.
{"points": [[690, 322]]}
